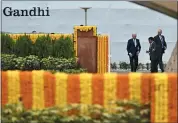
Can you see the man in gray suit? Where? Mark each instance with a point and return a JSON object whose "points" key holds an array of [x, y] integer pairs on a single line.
{"points": [[161, 46], [153, 55]]}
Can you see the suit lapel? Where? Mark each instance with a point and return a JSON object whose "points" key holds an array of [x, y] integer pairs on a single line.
{"points": [[159, 38], [136, 42]]}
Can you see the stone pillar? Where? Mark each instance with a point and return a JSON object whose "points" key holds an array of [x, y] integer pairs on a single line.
{"points": [[172, 63]]}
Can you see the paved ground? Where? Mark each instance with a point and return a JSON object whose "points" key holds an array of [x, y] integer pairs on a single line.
{"points": [[127, 71]]}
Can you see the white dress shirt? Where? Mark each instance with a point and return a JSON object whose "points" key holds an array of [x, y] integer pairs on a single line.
{"points": [[135, 42]]}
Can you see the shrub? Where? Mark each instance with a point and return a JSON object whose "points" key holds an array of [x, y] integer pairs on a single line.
{"points": [[19, 63], [23, 46], [136, 113], [75, 71], [43, 47], [7, 62], [49, 63], [63, 47], [59, 64], [32, 62], [7, 44]]}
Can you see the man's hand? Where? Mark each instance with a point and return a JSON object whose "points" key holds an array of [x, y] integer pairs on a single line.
{"points": [[165, 48], [130, 54], [138, 52]]}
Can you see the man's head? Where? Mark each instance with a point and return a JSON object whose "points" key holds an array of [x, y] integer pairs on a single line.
{"points": [[134, 35], [33, 31], [159, 31], [150, 39]]}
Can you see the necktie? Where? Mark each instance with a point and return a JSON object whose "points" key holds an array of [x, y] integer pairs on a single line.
{"points": [[134, 42], [161, 40]]}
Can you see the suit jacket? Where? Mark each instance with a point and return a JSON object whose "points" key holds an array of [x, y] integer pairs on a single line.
{"points": [[160, 44], [152, 51], [131, 48]]}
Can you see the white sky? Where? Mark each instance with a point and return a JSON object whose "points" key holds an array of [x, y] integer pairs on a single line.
{"points": [[71, 4]]}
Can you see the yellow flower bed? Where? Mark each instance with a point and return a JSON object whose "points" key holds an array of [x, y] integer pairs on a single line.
{"points": [[33, 37], [40, 89]]}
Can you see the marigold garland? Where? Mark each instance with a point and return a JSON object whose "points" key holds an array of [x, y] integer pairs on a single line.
{"points": [[161, 96], [123, 92], [82, 28], [49, 89], [98, 89], [4, 80], [73, 89], [85, 91], [109, 90], [38, 90], [61, 89], [172, 98], [145, 88], [26, 88], [102, 62], [98, 56], [135, 86], [13, 86]]}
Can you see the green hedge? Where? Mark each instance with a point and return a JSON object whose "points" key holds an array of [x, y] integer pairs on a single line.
{"points": [[43, 47], [32, 62], [7, 44], [125, 112]]}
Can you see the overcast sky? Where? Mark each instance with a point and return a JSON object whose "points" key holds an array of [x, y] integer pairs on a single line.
{"points": [[71, 4], [119, 19]]}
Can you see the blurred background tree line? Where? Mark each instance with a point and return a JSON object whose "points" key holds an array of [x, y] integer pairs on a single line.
{"points": [[122, 65]]}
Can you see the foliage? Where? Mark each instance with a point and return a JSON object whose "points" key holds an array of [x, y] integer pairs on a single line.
{"points": [[63, 47], [124, 112], [123, 65], [7, 44], [23, 46], [7, 62], [80, 70], [59, 64], [114, 66], [32, 62], [43, 47], [141, 66], [147, 66]]}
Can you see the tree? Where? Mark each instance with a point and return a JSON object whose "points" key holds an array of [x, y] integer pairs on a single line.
{"points": [[114, 66], [147, 66], [140, 66], [123, 65]]}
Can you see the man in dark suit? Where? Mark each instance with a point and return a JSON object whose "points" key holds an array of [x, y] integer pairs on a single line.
{"points": [[153, 55], [133, 49], [161, 46]]}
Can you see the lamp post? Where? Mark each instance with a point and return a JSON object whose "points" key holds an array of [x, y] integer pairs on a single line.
{"points": [[85, 9]]}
